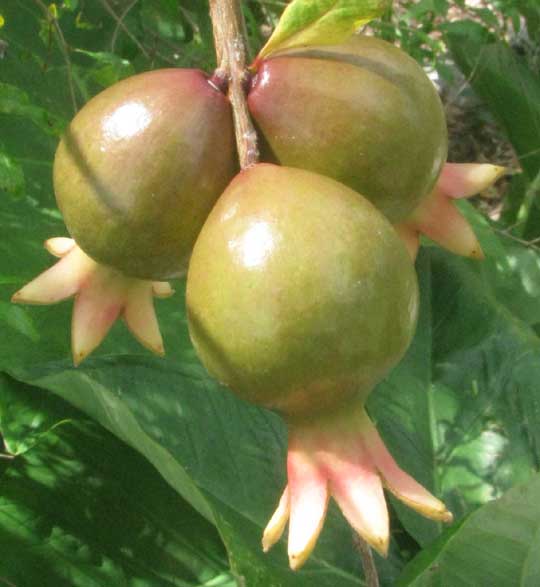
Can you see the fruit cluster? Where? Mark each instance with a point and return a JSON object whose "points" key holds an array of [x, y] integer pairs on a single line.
{"points": [[301, 288]]}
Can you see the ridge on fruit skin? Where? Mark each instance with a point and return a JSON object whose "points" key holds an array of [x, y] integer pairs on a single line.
{"points": [[366, 114], [301, 297], [102, 294]]}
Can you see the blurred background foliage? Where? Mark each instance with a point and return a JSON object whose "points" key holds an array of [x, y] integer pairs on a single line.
{"points": [[178, 494]]}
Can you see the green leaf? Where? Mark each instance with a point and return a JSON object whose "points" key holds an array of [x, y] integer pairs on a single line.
{"points": [[14, 101], [321, 22], [18, 319], [508, 87], [165, 19], [109, 67], [79, 508], [196, 435], [24, 421], [497, 545], [511, 90], [11, 175], [531, 11]]}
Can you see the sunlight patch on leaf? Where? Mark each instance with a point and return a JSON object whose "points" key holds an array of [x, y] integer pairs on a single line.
{"points": [[22, 426], [53, 10], [11, 175], [109, 68], [83, 24], [78, 507]]}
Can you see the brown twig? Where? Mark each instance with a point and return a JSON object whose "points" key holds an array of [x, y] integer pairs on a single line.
{"points": [[121, 25], [368, 564], [532, 244], [229, 39], [216, 15]]}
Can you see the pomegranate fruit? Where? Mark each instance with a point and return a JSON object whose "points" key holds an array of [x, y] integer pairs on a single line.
{"points": [[140, 167], [135, 175], [301, 298], [365, 113]]}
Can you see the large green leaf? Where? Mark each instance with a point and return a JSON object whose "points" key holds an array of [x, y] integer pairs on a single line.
{"points": [[497, 545], [80, 509], [511, 90]]}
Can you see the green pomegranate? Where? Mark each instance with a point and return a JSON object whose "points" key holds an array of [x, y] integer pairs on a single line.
{"points": [[140, 167], [313, 282], [301, 297], [363, 113]]}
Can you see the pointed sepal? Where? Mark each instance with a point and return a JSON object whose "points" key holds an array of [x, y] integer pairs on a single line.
{"points": [[440, 220], [141, 318], [276, 526], [341, 455], [437, 216], [463, 180], [59, 246], [102, 294], [401, 484], [62, 281], [308, 487]]}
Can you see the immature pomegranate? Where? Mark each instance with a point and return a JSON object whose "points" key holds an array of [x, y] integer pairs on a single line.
{"points": [[140, 167], [135, 175], [363, 113], [301, 298]]}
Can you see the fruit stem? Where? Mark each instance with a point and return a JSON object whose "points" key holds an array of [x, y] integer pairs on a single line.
{"points": [[368, 563], [230, 42]]}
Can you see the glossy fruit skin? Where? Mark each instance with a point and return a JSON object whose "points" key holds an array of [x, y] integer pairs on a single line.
{"points": [[299, 292], [140, 167], [363, 113]]}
